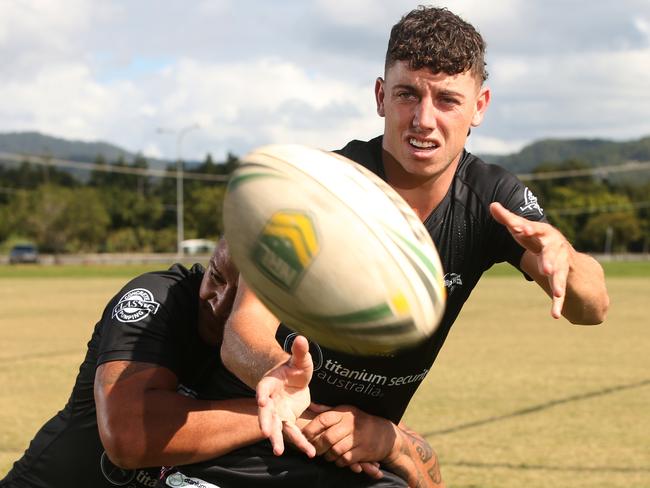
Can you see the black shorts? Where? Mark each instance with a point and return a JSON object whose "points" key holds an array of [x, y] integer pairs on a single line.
{"points": [[256, 465]]}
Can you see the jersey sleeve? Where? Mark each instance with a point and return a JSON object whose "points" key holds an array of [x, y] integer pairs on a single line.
{"points": [[141, 323], [514, 195]]}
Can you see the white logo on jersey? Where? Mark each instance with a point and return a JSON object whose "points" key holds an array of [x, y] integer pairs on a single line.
{"points": [[530, 202], [135, 305], [114, 474], [316, 351], [179, 480], [452, 280]]}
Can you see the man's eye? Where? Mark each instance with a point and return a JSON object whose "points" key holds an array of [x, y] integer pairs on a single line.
{"points": [[449, 101], [216, 277], [405, 95]]}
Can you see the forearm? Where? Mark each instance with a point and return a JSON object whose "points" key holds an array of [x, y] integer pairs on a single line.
{"points": [[166, 428], [586, 299], [249, 349], [414, 460]]}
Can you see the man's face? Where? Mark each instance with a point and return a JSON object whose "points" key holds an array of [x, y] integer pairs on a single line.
{"points": [[428, 117], [218, 289]]}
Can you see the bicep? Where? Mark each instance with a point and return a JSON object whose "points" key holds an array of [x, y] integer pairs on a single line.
{"points": [[120, 387]]}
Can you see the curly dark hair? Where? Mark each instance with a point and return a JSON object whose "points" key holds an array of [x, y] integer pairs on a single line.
{"points": [[437, 39]]}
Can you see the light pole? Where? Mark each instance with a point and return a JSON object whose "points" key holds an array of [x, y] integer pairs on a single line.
{"points": [[180, 134]]}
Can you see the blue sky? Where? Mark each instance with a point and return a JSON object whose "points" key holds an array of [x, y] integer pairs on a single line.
{"points": [[254, 72]]}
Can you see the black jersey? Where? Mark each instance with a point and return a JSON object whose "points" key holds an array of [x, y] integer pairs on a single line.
{"points": [[152, 319], [469, 241]]}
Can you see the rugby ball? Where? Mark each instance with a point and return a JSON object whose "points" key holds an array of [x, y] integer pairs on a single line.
{"points": [[332, 250]]}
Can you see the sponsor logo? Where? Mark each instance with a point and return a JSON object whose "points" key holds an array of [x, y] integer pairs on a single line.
{"points": [[135, 305], [362, 382], [530, 202], [114, 474], [452, 280], [285, 249], [179, 480], [314, 349], [145, 479]]}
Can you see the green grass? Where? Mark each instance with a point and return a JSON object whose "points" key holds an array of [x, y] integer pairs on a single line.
{"points": [[613, 269], [83, 271], [515, 399]]}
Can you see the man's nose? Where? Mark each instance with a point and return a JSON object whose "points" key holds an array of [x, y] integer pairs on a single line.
{"points": [[425, 115]]}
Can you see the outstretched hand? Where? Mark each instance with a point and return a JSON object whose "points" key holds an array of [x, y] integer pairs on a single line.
{"points": [[553, 253], [283, 395]]}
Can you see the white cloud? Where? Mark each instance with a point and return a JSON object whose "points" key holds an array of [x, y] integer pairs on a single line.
{"points": [[303, 71]]}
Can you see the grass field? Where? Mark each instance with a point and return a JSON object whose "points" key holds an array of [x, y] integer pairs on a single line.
{"points": [[515, 399]]}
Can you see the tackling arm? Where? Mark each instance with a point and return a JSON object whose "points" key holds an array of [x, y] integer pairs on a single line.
{"points": [[143, 421]]}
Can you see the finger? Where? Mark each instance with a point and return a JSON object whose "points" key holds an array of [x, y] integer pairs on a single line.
{"points": [[506, 217], [275, 436], [292, 434], [343, 453], [558, 282], [319, 408], [356, 467], [336, 439], [300, 357], [266, 417], [372, 470], [320, 424], [264, 390]]}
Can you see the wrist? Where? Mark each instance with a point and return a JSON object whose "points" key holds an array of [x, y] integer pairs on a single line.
{"points": [[397, 447]]}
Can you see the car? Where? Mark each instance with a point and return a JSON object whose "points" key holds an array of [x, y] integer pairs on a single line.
{"points": [[23, 253]]}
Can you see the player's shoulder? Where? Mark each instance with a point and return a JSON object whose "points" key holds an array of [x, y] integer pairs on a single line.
{"points": [[177, 273], [366, 153], [479, 174], [485, 183], [157, 287]]}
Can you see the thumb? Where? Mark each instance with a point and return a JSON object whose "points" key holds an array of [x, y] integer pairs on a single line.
{"points": [[300, 357]]}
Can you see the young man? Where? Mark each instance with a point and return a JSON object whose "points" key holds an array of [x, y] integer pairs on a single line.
{"points": [[432, 94]]}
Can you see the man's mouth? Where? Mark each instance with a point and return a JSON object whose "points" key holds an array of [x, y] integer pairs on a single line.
{"points": [[420, 144]]}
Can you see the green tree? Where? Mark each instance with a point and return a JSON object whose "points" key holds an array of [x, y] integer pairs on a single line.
{"points": [[61, 219], [203, 215]]}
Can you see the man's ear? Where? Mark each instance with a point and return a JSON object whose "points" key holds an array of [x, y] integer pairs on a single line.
{"points": [[379, 96], [482, 102]]}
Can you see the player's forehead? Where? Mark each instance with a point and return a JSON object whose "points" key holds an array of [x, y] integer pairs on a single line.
{"points": [[401, 74], [221, 259]]}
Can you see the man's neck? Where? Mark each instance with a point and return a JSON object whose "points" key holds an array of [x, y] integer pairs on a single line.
{"points": [[422, 194]]}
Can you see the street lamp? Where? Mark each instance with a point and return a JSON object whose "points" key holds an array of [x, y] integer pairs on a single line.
{"points": [[180, 134]]}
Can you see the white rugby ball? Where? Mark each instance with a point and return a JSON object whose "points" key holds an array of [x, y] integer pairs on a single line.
{"points": [[332, 250]]}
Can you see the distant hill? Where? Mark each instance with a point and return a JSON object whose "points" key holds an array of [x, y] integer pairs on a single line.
{"points": [[35, 143], [596, 152]]}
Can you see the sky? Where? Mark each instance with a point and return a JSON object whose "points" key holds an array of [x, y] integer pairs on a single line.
{"points": [[170, 78]]}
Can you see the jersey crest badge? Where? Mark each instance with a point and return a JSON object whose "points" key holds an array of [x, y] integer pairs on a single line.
{"points": [[530, 202], [452, 280], [135, 305]]}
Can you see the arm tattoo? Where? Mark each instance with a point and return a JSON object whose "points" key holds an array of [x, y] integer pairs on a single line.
{"points": [[418, 449]]}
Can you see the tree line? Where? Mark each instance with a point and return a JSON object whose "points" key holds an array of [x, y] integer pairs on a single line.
{"points": [[107, 211]]}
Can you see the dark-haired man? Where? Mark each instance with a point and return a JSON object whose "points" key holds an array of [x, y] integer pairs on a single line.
{"points": [[431, 95], [155, 347]]}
